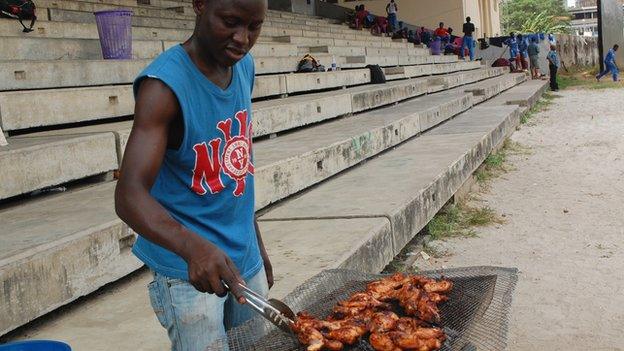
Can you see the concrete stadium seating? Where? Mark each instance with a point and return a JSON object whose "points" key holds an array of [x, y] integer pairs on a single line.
{"points": [[68, 115]]}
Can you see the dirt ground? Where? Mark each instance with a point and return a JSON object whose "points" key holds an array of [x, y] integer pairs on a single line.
{"points": [[563, 203]]}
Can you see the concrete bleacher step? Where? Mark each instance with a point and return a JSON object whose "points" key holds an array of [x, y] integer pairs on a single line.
{"points": [[524, 95], [19, 75], [376, 216], [402, 72], [330, 41], [29, 163], [386, 61], [483, 91], [59, 248], [17, 48], [116, 100]]}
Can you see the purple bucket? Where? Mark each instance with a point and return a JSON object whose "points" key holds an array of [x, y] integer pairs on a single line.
{"points": [[115, 30]]}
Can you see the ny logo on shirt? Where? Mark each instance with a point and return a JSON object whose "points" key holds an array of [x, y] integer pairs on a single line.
{"points": [[234, 161]]}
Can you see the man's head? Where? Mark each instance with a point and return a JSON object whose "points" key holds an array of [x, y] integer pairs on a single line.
{"points": [[392, 1], [616, 47], [519, 36], [468, 19], [441, 24], [450, 30], [553, 48], [227, 29]]}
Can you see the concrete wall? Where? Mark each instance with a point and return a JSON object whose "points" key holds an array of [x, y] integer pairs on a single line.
{"points": [[577, 50], [484, 13]]}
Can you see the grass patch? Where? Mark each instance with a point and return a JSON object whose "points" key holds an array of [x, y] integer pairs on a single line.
{"points": [[459, 220], [543, 104], [496, 163], [584, 77], [493, 166]]}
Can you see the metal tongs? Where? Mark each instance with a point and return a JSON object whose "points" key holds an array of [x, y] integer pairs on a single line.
{"points": [[275, 311]]}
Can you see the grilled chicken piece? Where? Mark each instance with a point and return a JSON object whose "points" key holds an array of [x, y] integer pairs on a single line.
{"points": [[307, 329], [382, 342], [385, 289], [440, 287], [422, 339], [383, 321]]}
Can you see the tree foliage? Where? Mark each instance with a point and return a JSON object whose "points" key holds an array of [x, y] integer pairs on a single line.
{"points": [[532, 16]]}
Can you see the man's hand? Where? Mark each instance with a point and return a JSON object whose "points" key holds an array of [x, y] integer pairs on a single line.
{"points": [[208, 266]]}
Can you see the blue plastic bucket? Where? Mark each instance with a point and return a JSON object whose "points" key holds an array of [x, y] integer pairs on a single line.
{"points": [[35, 345]]}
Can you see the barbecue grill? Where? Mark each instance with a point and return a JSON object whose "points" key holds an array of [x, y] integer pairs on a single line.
{"points": [[474, 318]]}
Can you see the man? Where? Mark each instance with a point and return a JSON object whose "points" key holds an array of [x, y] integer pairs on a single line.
{"points": [[533, 51], [513, 50], [425, 36], [553, 66], [610, 66], [467, 40], [441, 32], [523, 48], [186, 183], [391, 10]]}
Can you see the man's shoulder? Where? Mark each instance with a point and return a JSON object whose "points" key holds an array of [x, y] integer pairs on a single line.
{"points": [[167, 67]]}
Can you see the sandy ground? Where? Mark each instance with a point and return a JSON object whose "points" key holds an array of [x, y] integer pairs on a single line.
{"points": [[565, 226]]}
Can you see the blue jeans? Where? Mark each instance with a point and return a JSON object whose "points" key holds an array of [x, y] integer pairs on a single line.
{"points": [[609, 68], [392, 18], [469, 42], [195, 320]]}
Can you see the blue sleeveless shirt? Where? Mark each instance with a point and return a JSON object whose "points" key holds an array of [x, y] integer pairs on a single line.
{"points": [[207, 184]]}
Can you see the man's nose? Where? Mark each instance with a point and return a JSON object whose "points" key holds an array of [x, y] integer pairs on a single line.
{"points": [[241, 37]]}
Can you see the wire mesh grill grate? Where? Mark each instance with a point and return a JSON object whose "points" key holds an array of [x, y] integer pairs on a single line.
{"points": [[474, 318]]}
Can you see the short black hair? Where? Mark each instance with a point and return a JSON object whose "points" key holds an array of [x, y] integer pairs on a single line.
{"points": [[468, 19], [616, 46], [441, 24]]}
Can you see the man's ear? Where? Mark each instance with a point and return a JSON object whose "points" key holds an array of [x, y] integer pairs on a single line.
{"points": [[199, 6]]}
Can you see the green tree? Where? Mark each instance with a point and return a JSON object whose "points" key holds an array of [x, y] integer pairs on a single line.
{"points": [[531, 16]]}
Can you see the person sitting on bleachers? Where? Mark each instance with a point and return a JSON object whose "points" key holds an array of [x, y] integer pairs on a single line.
{"points": [[436, 46], [449, 47], [425, 36], [451, 37], [361, 18], [401, 33], [413, 37], [441, 32], [380, 26]]}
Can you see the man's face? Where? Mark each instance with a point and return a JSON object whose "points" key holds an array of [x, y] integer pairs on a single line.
{"points": [[615, 48], [228, 29]]}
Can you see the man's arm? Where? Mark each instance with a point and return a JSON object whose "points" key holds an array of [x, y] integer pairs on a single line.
{"points": [[156, 108], [265, 257]]}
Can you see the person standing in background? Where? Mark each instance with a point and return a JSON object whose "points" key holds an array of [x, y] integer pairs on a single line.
{"points": [[553, 66], [467, 41], [523, 47], [513, 50], [391, 10], [533, 51]]}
